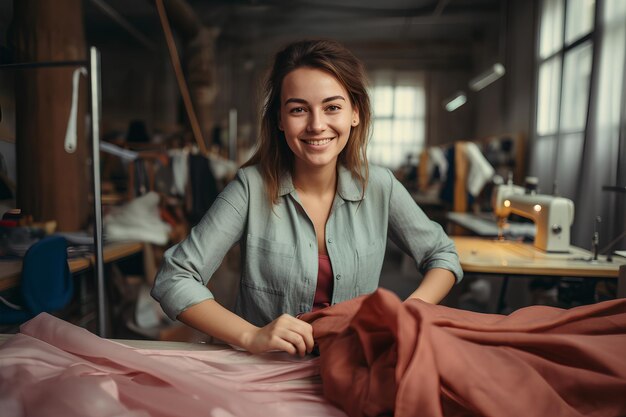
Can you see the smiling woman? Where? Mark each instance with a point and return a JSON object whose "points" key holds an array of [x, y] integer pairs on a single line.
{"points": [[311, 215], [316, 119]]}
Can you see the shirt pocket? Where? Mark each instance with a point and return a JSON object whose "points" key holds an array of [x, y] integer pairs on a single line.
{"points": [[268, 265], [370, 258]]}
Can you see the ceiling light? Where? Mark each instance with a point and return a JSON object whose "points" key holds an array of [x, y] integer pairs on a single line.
{"points": [[456, 101], [483, 80]]}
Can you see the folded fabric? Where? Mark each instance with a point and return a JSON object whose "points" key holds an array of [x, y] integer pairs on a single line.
{"points": [[53, 368], [480, 170], [380, 356], [137, 220]]}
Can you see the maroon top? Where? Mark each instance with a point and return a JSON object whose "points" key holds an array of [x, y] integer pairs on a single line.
{"points": [[324, 289]]}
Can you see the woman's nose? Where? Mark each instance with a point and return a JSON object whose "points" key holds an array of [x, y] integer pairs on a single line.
{"points": [[316, 122]]}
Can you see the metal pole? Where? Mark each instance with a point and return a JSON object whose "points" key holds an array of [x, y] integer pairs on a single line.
{"points": [[232, 134], [94, 71]]}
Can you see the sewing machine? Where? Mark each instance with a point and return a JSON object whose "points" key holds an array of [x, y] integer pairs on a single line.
{"points": [[553, 216]]}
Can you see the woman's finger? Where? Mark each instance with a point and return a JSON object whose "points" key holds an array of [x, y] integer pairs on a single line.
{"points": [[280, 343]]}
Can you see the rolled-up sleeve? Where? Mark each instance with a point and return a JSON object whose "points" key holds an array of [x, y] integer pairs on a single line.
{"points": [[422, 238], [188, 266]]}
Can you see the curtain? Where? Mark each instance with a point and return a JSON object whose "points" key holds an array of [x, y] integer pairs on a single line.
{"points": [[604, 160]]}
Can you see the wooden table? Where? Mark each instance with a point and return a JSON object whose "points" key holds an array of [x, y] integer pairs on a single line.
{"points": [[511, 258], [10, 271], [516, 258]]}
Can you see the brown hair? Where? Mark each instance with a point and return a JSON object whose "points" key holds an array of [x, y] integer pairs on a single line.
{"points": [[273, 154]]}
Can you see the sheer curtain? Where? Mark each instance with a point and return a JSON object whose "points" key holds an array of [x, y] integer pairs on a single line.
{"points": [[604, 160]]}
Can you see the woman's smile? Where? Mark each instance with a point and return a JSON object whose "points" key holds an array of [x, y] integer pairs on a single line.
{"points": [[317, 142]]}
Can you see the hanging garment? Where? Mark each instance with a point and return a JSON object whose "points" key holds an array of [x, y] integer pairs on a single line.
{"points": [[480, 170], [53, 368], [203, 187], [380, 356], [180, 169]]}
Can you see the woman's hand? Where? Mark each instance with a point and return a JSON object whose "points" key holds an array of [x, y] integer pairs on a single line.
{"points": [[286, 333]]}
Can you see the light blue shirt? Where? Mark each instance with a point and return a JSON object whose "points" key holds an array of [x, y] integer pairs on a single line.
{"points": [[279, 245]]}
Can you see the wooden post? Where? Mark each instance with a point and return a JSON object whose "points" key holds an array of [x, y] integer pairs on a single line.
{"points": [[198, 46], [51, 184], [460, 178]]}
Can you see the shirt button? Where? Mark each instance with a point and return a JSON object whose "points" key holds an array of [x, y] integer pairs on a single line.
{"points": [[338, 276], [330, 240]]}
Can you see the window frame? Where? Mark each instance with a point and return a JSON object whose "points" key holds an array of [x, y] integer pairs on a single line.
{"points": [[395, 78], [559, 133]]}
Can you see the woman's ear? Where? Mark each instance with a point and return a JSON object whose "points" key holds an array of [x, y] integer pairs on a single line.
{"points": [[355, 117], [280, 123]]}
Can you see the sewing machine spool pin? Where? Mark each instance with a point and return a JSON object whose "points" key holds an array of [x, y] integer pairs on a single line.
{"points": [[595, 240]]}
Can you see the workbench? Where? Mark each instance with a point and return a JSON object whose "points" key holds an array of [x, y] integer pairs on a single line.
{"points": [[513, 258], [10, 270]]}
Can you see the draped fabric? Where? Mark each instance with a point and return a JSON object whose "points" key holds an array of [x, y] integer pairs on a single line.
{"points": [[53, 368], [604, 153], [380, 356]]}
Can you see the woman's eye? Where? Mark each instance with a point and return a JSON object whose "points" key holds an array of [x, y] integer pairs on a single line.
{"points": [[297, 110], [332, 107]]}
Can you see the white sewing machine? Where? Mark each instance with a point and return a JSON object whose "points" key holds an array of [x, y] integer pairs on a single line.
{"points": [[553, 216]]}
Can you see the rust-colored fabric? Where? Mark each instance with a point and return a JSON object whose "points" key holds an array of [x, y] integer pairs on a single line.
{"points": [[380, 356]]}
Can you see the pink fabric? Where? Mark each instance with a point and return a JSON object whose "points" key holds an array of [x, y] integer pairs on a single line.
{"points": [[53, 368], [324, 288], [380, 356]]}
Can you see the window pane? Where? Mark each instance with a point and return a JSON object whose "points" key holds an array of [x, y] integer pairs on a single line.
{"points": [[402, 130], [400, 109], [611, 66], [575, 95], [547, 105], [551, 37], [420, 102], [383, 101], [579, 21], [382, 131], [404, 101], [614, 13]]}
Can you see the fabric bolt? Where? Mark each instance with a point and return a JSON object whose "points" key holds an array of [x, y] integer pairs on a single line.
{"points": [[324, 286], [279, 245], [380, 356], [53, 368]]}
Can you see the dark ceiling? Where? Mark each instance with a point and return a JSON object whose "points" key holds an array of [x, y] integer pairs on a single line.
{"points": [[395, 28], [356, 20]]}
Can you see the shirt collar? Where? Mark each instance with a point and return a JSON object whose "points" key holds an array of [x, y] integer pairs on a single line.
{"points": [[348, 187]]}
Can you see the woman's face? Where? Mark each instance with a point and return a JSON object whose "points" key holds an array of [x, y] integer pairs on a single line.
{"points": [[316, 116]]}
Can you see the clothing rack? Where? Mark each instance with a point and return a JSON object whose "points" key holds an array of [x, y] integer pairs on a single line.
{"points": [[93, 67]]}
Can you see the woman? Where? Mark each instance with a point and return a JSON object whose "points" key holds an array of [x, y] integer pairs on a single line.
{"points": [[311, 216]]}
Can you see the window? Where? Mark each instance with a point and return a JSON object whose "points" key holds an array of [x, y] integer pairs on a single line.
{"points": [[399, 111], [565, 51]]}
